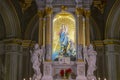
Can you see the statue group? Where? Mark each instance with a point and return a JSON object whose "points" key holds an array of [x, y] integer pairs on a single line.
{"points": [[37, 56]]}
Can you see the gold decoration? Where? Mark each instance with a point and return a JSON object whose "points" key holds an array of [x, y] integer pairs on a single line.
{"points": [[79, 11], [63, 8], [87, 13], [66, 19], [41, 13], [111, 41], [98, 43], [13, 41], [48, 10], [28, 43], [25, 4], [100, 5], [80, 60]]}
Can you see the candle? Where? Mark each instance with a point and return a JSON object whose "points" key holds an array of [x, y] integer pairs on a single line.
{"points": [[30, 78], [23, 78], [99, 78], [105, 79]]}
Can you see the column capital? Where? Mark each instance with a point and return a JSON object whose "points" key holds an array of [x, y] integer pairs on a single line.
{"points": [[111, 41], [28, 43], [79, 11], [13, 41], [98, 43], [87, 13], [41, 13], [48, 10]]}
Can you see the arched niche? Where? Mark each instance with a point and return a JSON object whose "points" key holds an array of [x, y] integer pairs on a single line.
{"points": [[64, 36]]}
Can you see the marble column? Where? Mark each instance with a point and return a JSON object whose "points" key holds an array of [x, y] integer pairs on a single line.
{"points": [[80, 42], [13, 65], [100, 63], [112, 54], [87, 27], [41, 18], [48, 33], [27, 65], [2, 61]]}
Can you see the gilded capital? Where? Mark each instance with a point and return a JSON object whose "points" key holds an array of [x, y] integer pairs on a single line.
{"points": [[41, 13], [48, 10], [98, 43], [87, 13], [79, 11], [28, 43]]}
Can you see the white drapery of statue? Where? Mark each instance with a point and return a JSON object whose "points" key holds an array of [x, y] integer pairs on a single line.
{"points": [[90, 56], [36, 59]]}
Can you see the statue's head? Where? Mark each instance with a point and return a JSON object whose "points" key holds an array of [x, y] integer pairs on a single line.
{"points": [[90, 46], [36, 46]]}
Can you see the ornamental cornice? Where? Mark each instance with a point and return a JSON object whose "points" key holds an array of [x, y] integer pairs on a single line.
{"points": [[28, 43], [13, 41], [98, 43], [111, 41]]}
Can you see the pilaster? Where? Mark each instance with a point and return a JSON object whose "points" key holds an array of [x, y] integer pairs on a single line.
{"points": [[2, 59], [48, 33], [99, 47], [13, 52], [27, 65], [112, 53], [41, 14]]}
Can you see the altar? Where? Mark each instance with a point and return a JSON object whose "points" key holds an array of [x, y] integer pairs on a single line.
{"points": [[78, 70], [64, 33]]}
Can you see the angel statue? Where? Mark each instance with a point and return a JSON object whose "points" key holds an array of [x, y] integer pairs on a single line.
{"points": [[90, 56], [36, 59]]}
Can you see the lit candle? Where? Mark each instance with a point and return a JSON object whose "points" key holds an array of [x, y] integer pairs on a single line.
{"points": [[105, 79], [99, 78], [30, 78], [23, 78]]}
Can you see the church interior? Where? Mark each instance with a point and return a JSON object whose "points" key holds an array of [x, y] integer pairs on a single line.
{"points": [[64, 28]]}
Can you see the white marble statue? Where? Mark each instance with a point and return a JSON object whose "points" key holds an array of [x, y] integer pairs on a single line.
{"points": [[91, 61], [36, 59]]}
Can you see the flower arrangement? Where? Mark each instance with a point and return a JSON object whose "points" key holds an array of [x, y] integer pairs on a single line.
{"points": [[66, 73]]}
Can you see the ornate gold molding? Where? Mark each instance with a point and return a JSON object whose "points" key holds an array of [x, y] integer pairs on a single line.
{"points": [[48, 10], [111, 41], [13, 41], [100, 5], [79, 11], [25, 4], [98, 43], [87, 13], [28, 43], [63, 8], [80, 60], [41, 13]]}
